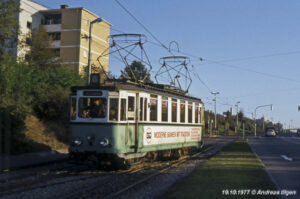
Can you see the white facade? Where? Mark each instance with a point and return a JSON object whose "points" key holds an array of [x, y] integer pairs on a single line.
{"points": [[29, 18]]}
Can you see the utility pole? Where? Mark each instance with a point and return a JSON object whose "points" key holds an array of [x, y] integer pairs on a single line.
{"points": [[271, 107], [237, 116], [243, 129], [215, 100], [98, 20], [208, 122]]}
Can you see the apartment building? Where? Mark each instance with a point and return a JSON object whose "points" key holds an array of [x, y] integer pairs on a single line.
{"points": [[68, 29], [29, 18]]}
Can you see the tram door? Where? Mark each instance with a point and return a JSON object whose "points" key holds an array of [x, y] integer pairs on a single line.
{"points": [[130, 138]]}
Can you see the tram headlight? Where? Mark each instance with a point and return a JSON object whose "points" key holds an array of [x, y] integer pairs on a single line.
{"points": [[103, 142], [77, 142]]}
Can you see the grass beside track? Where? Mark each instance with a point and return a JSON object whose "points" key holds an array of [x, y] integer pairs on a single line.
{"points": [[235, 168]]}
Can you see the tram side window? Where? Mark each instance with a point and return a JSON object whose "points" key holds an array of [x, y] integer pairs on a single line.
{"points": [[164, 109], [182, 111], [190, 112], [73, 108], [200, 114], [92, 107], [113, 109], [153, 108], [131, 108], [123, 110], [141, 109], [197, 113], [174, 110], [145, 109]]}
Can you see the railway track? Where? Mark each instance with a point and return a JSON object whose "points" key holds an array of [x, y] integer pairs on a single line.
{"points": [[21, 183], [76, 182], [96, 192], [205, 154]]}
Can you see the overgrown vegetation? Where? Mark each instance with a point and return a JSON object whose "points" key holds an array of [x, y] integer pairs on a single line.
{"points": [[33, 91]]}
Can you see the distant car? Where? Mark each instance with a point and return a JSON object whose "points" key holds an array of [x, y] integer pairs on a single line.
{"points": [[271, 132]]}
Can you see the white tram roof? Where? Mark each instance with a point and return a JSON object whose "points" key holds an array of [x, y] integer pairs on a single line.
{"points": [[159, 89]]}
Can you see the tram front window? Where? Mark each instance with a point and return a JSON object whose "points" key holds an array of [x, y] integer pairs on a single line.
{"points": [[92, 107], [73, 108]]}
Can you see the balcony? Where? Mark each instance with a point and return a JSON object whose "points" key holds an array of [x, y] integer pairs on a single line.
{"points": [[52, 27], [55, 44]]}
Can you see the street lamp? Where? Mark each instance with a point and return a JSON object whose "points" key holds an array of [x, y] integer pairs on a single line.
{"points": [[98, 20], [271, 107], [215, 100], [237, 116]]}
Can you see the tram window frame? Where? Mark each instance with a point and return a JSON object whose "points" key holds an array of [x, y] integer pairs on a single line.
{"points": [[141, 110], [164, 109], [153, 108], [200, 114], [131, 108], [115, 106], [73, 111], [174, 110], [123, 108], [190, 112], [182, 111], [145, 109], [197, 111], [87, 107]]}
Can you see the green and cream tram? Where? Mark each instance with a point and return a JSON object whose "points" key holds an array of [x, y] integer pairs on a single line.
{"points": [[126, 120]]}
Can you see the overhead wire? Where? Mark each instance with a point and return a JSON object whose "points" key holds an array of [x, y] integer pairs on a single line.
{"points": [[141, 24], [215, 62], [258, 57], [194, 72]]}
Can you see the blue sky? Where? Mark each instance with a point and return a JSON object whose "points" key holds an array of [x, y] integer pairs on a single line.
{"points": [[251, 47]]}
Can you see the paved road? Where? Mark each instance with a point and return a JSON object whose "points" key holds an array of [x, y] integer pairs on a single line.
{"points": [[281, 156]]}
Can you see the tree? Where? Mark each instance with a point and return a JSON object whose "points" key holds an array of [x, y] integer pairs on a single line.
{"points": [[9, 25], [41, 54], [241, 114], [136, 71]]}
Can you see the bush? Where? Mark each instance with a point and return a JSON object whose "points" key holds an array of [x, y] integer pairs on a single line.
{"points": [[26, 89], [51, 92]]}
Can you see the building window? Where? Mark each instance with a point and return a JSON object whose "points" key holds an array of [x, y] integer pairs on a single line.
{"points": [[55, 36], [29, 24], [57, 52], [86, 22], [28, 40], [52, 19], [153, 108], [182, 111], [174, 110], [164, 109]]}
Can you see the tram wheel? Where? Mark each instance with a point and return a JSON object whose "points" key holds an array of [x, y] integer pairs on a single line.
{"points": [[120, 163]]}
